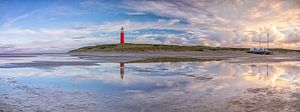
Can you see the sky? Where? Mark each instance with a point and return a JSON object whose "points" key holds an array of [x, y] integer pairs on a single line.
{"points": [[50, 26]]}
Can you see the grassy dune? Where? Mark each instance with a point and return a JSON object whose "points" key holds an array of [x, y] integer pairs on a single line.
{"points": [[162, 48], [150, 48]]}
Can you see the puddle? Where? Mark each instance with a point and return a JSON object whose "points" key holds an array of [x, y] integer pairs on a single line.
{"points": [[169, 86]]}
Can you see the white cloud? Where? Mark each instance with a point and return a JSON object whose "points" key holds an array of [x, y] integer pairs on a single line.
{"points": [[64, 39], [225, 22], [12, 21], [64, 10], [205, 22], [135, 13], [293, 35]]}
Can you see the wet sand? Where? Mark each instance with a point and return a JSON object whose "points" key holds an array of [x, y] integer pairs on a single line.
{"points": [[21, 98], [240, 56], [27, 99], [17, 97], [265, 100]]}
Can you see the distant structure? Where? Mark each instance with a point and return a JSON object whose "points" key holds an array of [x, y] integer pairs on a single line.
{"points": [[261, 50], [122, 37]]}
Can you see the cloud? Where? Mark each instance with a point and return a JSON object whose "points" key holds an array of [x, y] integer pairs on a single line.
{"points": [[228, 23], [64, 39], [4, 48], [107, 27], [63, 10], [12, 21], [100, 5], [224, 23], [293, 35], [157, 32], [135, 13]]}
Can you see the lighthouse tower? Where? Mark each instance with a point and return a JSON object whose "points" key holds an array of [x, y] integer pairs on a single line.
{"points": [[122, 40]]}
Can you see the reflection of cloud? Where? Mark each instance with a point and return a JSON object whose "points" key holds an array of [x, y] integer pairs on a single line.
{"points": [[223, 74], [277, 74], [212, 82]]}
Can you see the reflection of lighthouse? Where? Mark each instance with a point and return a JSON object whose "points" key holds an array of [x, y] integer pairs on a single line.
{"points": [[122, 40], [122, 70]]}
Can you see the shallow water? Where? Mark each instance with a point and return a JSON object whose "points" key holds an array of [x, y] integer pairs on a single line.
{"points": [[104, 86]]}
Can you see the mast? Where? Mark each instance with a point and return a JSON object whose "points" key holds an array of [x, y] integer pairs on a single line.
{"points": [[268, 41], [259, 37]]}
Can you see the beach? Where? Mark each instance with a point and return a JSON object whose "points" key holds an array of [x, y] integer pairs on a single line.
{"points": [[150, 56], [93, 82], [222, 55]]}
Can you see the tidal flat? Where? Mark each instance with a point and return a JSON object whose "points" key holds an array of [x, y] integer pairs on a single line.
{"points": [[97, 82]]}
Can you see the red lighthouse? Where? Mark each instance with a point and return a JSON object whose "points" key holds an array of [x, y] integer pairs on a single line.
{"points": [[122, 40]]}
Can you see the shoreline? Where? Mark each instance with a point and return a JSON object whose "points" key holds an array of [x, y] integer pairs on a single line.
{"points": [[241, 56]]}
